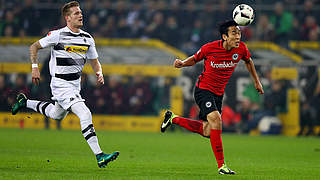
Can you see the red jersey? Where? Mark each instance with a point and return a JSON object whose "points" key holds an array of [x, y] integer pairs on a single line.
{"points": [[219, 64]]}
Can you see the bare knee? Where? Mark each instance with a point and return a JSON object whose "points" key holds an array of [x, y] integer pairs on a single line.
{"points": [[214, 122], [214, 119]]}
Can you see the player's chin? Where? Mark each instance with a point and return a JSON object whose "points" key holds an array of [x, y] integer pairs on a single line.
{"points": [[80, 24]]}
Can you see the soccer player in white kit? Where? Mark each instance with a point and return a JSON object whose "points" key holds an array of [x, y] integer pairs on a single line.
{"points": [[70, 48]]}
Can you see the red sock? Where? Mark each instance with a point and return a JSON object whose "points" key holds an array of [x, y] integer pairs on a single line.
{"points": [[216, 144], [192, 125]]}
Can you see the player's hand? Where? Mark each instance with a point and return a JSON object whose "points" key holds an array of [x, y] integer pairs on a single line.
{"points": [[258, 87], [35, 76], [100, 78], [178, 63]]}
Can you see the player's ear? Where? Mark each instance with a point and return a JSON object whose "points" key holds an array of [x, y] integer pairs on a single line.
{"points": [[66, 18], [224, 37]]}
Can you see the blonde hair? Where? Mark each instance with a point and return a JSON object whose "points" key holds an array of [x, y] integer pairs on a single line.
{"points": [[65, 10]]}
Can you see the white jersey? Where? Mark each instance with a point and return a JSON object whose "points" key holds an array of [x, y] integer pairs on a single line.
{"points": [[69, 52]]}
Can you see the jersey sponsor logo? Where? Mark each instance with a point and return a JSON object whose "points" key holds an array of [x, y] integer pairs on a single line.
{"points": [[208, 104], [235, 56], [76, 49], [223, 65]]}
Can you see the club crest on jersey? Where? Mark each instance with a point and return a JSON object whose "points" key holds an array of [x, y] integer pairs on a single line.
{"points": [[235, 56], [76, 49], [208, 104]]}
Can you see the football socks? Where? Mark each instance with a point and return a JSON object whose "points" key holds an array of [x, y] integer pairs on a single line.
{"points": [[195, 126], [82, 111], [216, 144]]}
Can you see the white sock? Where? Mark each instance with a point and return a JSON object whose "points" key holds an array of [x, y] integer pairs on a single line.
{"points": [[82, 111], [55, 112], [32, 104], [40, 106], [90, 135]]}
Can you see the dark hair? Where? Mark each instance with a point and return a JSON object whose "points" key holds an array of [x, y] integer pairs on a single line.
{"points": [[223, 27], [65, 10]]}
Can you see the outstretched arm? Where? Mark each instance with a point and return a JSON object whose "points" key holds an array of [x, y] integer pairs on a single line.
{"points": [[252, 71], [34, 48], [190, 61], [96, 66]]}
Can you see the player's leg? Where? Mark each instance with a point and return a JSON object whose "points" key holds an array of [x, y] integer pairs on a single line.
{"points": [[210, 110], [48, 109], [195, 126], [83, 112], [55, 111], [215, 126]]}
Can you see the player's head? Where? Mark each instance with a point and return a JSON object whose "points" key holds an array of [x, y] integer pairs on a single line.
{"points": [[230, 33], [72, 14]]}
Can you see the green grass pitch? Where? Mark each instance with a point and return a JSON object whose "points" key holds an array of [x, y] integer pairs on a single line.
{"points": [[52, 154]]}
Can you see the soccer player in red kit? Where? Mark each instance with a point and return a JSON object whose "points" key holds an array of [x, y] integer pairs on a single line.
{"points": [[220, 59]]}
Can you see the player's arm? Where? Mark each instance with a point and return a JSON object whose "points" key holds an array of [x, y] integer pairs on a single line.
{"points": [[34, 48], [96, 66], [253, 72], [190, 61]]}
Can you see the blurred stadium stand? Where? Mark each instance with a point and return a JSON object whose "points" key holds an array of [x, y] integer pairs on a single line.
{"points": [[137, 41]]}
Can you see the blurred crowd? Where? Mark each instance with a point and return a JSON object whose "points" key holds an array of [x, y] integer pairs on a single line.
{"points": [[255, 110], [140, 95], [185, 24], [262, 114], [123, 95]]}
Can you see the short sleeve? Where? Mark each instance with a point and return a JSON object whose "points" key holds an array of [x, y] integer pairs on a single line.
{"points": [[246, 53], [92, 51], [200, 54], [51, 39]]}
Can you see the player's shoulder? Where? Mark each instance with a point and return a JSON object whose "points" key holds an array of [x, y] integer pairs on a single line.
{"points": [[54, 32], [85, 34], [242, 45], [57, 32]]}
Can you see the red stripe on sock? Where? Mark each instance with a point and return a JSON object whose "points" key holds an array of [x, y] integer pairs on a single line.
{"points": [[216, 144], [195, 126]]}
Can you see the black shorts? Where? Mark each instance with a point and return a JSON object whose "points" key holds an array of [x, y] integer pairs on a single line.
{"points": [[207, 102]]}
